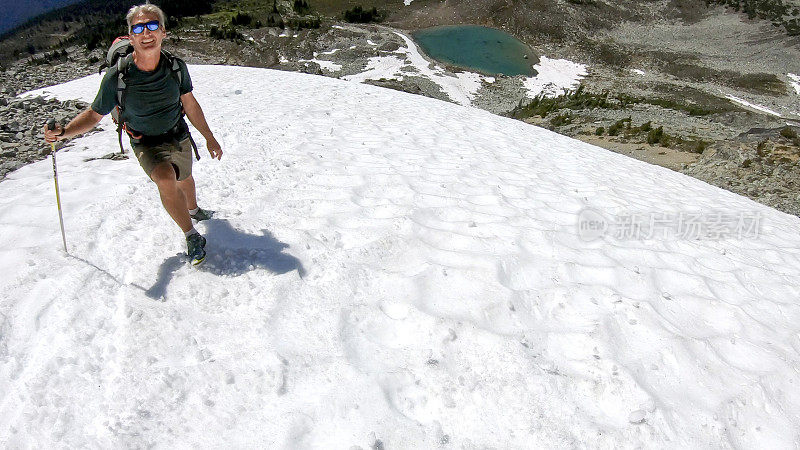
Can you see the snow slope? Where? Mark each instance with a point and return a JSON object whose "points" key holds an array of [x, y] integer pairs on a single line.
{"points": [[386, 269]]}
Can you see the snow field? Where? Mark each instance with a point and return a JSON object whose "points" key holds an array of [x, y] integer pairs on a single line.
{"points": [[386, 267]]}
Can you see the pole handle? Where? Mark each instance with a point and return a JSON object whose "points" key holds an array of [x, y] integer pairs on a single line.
{"points": [[51, 125]]}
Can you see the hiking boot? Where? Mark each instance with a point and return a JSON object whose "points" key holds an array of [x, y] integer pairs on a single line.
{"points": [[202, 214], [194, 244]]}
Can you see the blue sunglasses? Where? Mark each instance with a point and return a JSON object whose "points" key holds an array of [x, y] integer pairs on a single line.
{"points": [[139, 27]]}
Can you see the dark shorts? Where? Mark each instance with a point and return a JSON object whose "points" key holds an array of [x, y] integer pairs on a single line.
{"points": [[177, 153]]}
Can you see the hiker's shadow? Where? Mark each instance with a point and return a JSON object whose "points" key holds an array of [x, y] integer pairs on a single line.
{"points": [[231, 253]]}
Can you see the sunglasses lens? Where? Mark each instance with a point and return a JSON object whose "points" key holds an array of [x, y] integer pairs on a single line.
{"points": [[139, 27]]}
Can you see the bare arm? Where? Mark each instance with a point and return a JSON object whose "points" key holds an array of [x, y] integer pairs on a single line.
{"points": [[82, 123], [195, 114]]}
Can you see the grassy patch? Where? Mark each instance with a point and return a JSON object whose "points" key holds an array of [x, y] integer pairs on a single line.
{"points": [[559, 109], [689, 108], [790, 133], [575, 100], [561, 119], [689, 11], [607, 52], [296, 15], [301, 7], [762, 83], [303, 22], [226, 32], [656, 135], [358, 14], [645, 132], [782, 13], [581, 99], [759, 83], [619, 126], [686, 95], [241, 18]]}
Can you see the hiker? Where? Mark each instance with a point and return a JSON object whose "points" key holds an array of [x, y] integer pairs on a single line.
{"points": [[157, 91]]}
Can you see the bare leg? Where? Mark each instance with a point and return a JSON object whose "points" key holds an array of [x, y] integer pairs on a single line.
{"points": [[172, 197], [187, 187]]}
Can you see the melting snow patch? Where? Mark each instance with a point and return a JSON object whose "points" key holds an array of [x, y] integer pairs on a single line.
{"points": [[555, 77], [378, 67], [638, 72], [460, 87], [327, 65], [752, 105], [795, 82]]}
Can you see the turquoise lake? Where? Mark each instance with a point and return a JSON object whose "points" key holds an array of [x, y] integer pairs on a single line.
{"points": [[486, 50]]}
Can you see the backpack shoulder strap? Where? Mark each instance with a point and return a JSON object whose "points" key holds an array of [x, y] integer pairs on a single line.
{"points": [[174, 64], [122, 73], [122, 66]]}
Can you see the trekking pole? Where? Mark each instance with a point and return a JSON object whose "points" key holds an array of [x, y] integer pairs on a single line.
{"points": [[51, 125]]}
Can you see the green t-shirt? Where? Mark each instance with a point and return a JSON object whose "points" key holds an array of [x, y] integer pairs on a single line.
{"points": [[152, 101]]}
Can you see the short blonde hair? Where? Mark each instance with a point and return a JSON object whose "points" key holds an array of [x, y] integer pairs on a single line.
{"points": [[146, 8]]}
